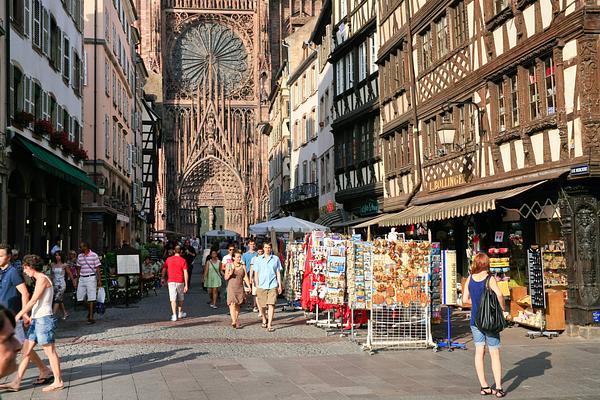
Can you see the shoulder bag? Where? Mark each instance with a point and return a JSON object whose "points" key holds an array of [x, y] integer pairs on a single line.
{"points": [[489, 317]]}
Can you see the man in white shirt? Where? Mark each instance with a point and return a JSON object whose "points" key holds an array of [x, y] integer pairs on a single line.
{"points": [[90, 278]]}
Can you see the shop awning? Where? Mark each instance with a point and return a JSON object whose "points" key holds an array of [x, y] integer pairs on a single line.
{"points": [[450, 209], [373, 221], [350, 222], [331, 218], [49, 162]]}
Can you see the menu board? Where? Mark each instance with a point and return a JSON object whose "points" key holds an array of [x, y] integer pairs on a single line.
{"points": [[359, 275], [128, 264], [536, 278], [449, 293]]}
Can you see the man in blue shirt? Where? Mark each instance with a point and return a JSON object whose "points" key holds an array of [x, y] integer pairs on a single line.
{"points": [[267, 272], [247, 261], [13, 295]]}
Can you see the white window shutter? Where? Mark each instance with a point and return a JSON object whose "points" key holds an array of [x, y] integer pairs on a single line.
{"points": [[37, 15], [27, 107], [45, 31], [66, 59], [85, 75], [26, 17], [12, 91], [59, 119], [59, 51]]}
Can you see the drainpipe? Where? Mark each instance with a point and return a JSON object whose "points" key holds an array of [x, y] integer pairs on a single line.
{"points": [[413, 96], [95, 94], [7, 61]]}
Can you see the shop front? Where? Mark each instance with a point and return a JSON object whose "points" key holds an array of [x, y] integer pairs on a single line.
{"points": [[522, 229], [44, 198]]}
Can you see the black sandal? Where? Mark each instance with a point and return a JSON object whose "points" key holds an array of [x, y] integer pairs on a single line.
{"points": [[482, 391], [499, 393]]}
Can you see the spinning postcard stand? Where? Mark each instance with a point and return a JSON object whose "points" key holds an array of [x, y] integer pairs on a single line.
{"points": [[449, 296]]}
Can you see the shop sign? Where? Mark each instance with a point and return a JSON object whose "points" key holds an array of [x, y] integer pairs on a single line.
{"points": [[449, 293], [498, 236], [596, 317], [447, 182], [578, 170], [369, 208]]}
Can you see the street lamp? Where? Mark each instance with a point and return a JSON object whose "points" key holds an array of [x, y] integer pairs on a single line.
{"points": [[446, 132]]}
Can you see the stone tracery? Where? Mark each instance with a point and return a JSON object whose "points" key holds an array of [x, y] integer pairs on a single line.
{"points": [[211, 114]]}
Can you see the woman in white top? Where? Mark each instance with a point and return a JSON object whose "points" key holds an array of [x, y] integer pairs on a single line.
{"points": [[42, 325], [59, 270]]}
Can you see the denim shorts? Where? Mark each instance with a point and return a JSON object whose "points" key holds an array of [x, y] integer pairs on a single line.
{"points": [[41, 330], [482, 338]]}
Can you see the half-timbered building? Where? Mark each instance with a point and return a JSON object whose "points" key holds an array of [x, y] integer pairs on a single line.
{"points": [[489, 113], [355, 127]]}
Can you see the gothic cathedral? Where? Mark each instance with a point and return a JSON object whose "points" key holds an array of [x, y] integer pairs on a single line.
{"points": [[216, 76]]}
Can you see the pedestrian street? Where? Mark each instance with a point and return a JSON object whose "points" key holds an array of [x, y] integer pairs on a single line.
{"points": [[137, 353]]}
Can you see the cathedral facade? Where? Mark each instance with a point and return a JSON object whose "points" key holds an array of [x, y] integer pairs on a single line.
{"points": [[216, 69]]}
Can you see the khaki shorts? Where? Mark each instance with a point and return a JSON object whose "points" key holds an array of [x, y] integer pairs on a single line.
{"points": [[266, 296], [175, 291], [87, 287]]}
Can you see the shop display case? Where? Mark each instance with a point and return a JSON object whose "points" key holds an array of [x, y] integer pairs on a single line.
{"points": [[555, 265]]}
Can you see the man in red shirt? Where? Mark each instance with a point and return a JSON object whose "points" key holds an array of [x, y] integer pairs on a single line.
{"points": [[176, 268]]}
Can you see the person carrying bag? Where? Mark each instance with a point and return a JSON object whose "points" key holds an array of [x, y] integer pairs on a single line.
{"points": [[487, 321]]}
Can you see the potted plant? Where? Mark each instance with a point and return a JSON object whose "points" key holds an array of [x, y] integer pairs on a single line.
{"points": [[69, 147], [80, 155], [58, 138], [43, 127], [22, 119]]}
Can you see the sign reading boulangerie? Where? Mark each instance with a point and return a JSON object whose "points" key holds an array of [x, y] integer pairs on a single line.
{"points": [[446, 182]]}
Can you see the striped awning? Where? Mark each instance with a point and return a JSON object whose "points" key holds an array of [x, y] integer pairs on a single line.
{"points": [[448, 209], [331, 218]]}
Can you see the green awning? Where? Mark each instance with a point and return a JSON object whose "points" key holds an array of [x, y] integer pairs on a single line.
{"points": [[49, 162]]}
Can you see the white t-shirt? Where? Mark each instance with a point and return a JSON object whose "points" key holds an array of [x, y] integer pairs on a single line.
{"points": [[227, 259]]}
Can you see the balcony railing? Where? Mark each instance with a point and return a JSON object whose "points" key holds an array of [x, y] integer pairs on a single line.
{"points": [[303, 192]]}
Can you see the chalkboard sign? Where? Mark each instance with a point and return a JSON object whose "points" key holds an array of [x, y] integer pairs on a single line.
{"points": [[154, 253], [536, 278]]}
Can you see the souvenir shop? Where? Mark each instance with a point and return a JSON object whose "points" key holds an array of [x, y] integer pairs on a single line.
{"points": [[522, 236]]}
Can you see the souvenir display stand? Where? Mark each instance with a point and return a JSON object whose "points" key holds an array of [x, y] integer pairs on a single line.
{"points": [[400, 313], [383, 284], [324, 284], [294, 273], [436, 282], [359, 280]]}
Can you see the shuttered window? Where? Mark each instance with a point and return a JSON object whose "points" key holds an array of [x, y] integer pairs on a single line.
{"points": [[45, 31], [37, 26], [66, 59]]}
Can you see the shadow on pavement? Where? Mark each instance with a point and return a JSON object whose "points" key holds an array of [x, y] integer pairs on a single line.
{"points": [[528, 368], [126, 366]]}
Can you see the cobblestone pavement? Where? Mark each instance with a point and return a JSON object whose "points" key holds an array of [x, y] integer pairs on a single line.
{"points": [[136, 353]]}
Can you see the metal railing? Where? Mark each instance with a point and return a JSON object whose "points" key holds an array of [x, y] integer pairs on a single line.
{"points": [[303, 192]]}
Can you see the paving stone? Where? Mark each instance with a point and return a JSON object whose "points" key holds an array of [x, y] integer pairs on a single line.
{"points": [[136, 353]]}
